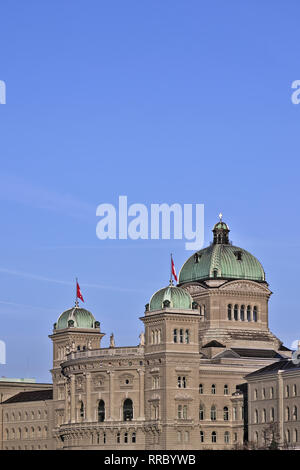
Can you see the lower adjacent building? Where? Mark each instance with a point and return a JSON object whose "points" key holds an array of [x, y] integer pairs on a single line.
{"points": [[274, 405], [182, 387]]}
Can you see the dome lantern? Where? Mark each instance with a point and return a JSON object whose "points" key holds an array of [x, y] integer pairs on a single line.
{"points": [[221, 232]]}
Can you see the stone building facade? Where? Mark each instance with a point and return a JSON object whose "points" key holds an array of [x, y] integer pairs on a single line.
{"points": [[274, 405], [183, 386]]}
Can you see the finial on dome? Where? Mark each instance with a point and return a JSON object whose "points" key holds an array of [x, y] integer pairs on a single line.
{"points": [[220, 216]]}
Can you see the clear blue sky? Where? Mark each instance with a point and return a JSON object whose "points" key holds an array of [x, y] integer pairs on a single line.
{"points": [[169, 101]]}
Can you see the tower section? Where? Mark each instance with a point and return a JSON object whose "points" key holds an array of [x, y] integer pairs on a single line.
{"points": [[171, 369], [75, 331]]}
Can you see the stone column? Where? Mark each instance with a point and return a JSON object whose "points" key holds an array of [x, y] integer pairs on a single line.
{"points": [[88, 397], [73, 403], [67, 417], [111, 395], [141, 394], [281, 416]]}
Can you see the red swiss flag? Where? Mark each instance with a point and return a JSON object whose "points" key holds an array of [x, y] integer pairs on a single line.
{"points": [[173, 269], [79, 294]]}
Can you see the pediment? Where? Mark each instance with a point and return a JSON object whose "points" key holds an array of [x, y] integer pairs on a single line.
{"points": [[227, 354], [245, 286], [194, 289]]}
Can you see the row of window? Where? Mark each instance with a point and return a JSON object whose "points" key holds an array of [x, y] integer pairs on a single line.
{"points": [[181, 335], [26, 416], [155, 336], [127, 410], [213, 437], [242, 313], [25, 433], [213, 389], [288, 436], [272, 395], [225, 413], [126, 438], [290, 415]]}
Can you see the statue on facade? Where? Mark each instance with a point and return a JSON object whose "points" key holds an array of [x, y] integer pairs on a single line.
{"points": [[142, 339], [112, 341], [89, 345]]}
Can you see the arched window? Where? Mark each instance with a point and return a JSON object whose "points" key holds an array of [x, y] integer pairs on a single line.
{"points": [[118, 438], [213, 413], [104, 438], [264, 416], [287, 414], [226, 413], [255, 394], [133, 438], [236, 312], [214, 437], [288, 435], [213, 389], [295, 413], [101, 411], [39, 431], [248, 313], [272, 414], [287, 391], [201, 412], [225, 389], [19, 433], [128, 410], [242, 313], [295, 390], [254, 313], [229, 312], [226, 437], [255, 416], [295, 435], [126, 437], [201, 436], [201, 389], [256, 437], [271, 392]]}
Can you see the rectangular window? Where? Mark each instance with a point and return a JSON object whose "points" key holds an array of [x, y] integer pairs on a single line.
{"points": [[175, 335], [187, 336], [181, 335]]}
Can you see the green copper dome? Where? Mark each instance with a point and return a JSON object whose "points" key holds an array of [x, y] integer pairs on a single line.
{"points": [[176, 296], [81, 317], [221, 260]]}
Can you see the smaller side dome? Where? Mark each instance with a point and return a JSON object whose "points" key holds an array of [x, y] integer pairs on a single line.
{"points": [[76, 317], [171, 296]]}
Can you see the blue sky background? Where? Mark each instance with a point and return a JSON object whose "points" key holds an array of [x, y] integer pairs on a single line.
{"points": [[171, 101]]}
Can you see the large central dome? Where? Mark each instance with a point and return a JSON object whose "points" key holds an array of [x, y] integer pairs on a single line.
{"points": [[221, 260]]}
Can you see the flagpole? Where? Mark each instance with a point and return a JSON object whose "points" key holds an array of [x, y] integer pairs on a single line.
{"points": [[171, 280], [76, 301]]}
